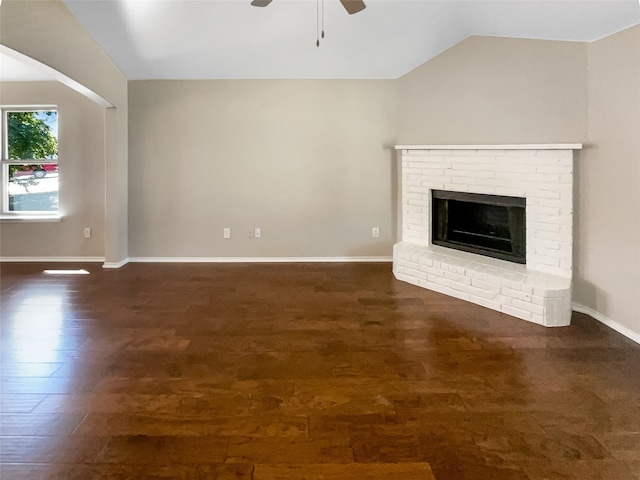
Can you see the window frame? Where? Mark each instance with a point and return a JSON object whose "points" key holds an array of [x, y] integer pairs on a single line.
{"points": [[6, 162]]}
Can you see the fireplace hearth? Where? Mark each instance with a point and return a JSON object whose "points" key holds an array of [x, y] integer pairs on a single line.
{"points": [[490, 225]]}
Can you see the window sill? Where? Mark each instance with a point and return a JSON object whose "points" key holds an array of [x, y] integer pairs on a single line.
{"points": [[30, 218]]}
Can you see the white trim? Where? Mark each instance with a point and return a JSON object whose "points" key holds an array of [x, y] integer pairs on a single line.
{"points": [[542, 146], [119, 264], [627, 332], [51, 259], [261, 259], [30, 218]]}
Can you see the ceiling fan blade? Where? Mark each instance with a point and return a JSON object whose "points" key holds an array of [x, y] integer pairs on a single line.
{"points": [[352, 6], [260, 3]]}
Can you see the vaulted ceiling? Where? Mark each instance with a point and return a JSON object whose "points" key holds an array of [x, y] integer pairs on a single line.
{"points": [[213, 39]]}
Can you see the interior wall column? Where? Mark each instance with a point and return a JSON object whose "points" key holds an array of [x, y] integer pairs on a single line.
{"points": [[116, 232]]}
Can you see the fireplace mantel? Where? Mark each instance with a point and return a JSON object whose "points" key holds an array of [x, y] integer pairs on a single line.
{"points": [[517, 146]]}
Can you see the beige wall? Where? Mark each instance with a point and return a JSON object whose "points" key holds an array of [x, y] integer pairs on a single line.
{"points": [[81, 176], [54, 37], [497, 90], [304, 160], [608, 257]]}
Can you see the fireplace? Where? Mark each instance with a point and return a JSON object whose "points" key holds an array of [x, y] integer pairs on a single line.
{"points": [[490, 225], [472, 198]]}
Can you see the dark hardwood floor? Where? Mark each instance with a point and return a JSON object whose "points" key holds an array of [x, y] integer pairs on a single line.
{"points": [[300, 371]]}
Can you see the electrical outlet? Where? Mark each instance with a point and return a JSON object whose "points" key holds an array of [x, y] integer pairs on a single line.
{"points": [[375, 232], [257, 232], [87, 232], [226, 233]]}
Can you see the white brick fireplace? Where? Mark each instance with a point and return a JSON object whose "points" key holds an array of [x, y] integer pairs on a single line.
{"points": [[539, 291]]}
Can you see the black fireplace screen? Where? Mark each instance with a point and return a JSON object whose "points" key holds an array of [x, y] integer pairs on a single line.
{"points": [[490, 225]]}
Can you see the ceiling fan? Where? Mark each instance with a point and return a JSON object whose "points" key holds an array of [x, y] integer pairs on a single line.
{"points": [[351, 6]]}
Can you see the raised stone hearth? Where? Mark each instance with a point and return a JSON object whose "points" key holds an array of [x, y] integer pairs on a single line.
{"points": [[540, 290]]}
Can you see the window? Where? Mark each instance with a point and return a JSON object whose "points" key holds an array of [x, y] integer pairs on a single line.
{"points": [[29, 161]]}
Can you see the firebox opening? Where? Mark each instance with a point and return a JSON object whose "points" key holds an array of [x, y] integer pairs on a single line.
{"points": [[490, 225]]}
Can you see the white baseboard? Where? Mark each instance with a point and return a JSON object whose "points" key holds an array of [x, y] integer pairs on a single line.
{"points": [[630, 334], [122, 263], [52, 259], [119, 264], [261, 259]]}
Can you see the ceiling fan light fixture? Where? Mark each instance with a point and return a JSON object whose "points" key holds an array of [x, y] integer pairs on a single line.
{"points": [[351, 6]]}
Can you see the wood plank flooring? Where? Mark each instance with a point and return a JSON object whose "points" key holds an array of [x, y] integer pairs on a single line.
{"points": [[300, 371]]}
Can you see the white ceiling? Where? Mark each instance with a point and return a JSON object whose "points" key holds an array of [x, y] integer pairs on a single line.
{"points": [[203, 39]]}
